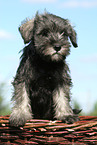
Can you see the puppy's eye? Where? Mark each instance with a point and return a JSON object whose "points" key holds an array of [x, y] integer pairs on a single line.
{"points": [[44, 32]]}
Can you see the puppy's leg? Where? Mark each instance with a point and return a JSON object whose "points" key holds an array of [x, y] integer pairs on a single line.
{"points": [[62, 108], [22, 110]]}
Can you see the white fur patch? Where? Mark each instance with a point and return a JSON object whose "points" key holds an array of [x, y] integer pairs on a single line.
{"points": [[22, 103], [25, 101], [61, 104]]}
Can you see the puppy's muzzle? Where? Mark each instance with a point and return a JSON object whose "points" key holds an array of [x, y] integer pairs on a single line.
{"points": [[57, 48]]}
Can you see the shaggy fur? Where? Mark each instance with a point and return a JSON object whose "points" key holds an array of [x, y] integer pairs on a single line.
{"points": [[42, 83]]}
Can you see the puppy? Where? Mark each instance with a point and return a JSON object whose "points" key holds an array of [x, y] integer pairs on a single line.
{"points": [[42, 83]]}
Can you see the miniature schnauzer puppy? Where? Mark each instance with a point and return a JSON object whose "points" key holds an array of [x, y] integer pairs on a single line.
{"points": [[42, 83]]}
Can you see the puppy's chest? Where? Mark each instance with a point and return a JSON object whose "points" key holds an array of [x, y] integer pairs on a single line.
{"points": [[48, 78]]}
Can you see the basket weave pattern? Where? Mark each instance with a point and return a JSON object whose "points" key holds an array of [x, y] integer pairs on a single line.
{"points": [[49, 132]]}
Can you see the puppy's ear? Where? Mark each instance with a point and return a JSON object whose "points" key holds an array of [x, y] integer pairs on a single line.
{"points": [[26, 30], [72, 34]]}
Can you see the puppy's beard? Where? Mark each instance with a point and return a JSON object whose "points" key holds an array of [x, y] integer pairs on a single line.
{"points": [[53, 55], [56, 57]]}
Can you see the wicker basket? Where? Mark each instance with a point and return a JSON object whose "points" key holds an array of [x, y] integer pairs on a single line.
{"points": [[49, 132]]}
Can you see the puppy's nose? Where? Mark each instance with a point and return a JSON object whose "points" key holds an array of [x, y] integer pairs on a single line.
{"points": [[57, 48]]}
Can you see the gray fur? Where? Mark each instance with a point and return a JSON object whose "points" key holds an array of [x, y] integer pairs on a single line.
{"points": [[42, 83]]}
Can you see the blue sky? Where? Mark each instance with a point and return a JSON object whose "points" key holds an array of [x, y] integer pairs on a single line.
{"points": [[82, 60]]}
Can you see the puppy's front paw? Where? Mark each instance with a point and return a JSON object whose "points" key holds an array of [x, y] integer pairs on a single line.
{"points": [[16, 122], [70, 119], [19, 118]]}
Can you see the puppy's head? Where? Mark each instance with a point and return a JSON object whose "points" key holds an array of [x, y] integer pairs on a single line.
{"points": [[50, 35]]}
